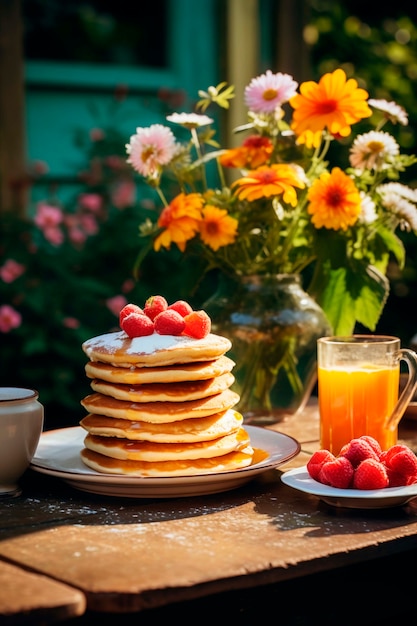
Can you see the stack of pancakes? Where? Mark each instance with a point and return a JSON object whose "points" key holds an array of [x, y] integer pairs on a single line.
{"points": [[162, 406]]}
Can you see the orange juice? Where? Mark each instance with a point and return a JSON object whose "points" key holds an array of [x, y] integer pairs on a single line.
{"points": [[357, 400]]}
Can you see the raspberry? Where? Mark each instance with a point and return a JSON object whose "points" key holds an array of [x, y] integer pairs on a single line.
{"points": [[338, 473], [127, 309], [401, 463], [169, 322], [137, 325], [370, 474], [316, 461], [182, 307], [155, 305], [373, 443], [197, 324], [358, 450]]}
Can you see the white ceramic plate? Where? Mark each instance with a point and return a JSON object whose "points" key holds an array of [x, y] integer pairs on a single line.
{"points": [[58, 454], [352, 498]]}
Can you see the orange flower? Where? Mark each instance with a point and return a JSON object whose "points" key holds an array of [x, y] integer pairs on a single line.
{"points": [[254, 151], [270, 181], [334, 103], [180, 219], [218, 228], [335, 201]]}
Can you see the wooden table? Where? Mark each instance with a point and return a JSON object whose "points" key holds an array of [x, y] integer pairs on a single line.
{"points": [[69, 554]]}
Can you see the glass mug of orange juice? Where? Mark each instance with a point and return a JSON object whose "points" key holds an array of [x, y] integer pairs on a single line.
{"points": [[358, 388]]}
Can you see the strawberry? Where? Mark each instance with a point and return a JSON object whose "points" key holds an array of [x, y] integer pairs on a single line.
{"points": [[370, 474], [338, 473], [169, 322], [316, 461], [358, 450], [182, 307], [127, 309], [155, 305], [197, 324], [137, 325]]}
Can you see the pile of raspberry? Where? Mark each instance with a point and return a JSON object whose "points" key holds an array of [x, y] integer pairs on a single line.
{"points": [[157, 316], [361, 464]]}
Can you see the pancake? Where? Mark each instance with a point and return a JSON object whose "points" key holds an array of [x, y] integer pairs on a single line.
{"points": [[165, 392], [227, 462], [201, 370], [159, 412], [183, 431], [156, 452], [153, 350]]}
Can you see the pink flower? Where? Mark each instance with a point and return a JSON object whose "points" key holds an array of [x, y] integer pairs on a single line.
{"points": [[128, 285], [91, 201], [115, 162], [150, 148], [54, 235], [76, 235], [9, 318], [89, 224], [116, 304], [48, 216], [269, 91], [11, 270], [96, 134], [71, 322], [123, 194]]}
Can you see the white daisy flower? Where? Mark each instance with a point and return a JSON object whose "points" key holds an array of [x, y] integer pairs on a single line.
{"points": [[399, 189], [404, 210], [373, 150], [190, 120], [368, 212], [393, 111]]}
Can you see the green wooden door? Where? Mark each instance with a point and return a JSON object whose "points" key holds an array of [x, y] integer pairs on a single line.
{"points": [[77, 54]]}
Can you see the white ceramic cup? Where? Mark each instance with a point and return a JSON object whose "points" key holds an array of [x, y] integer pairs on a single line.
{"points": [[21, 424]]}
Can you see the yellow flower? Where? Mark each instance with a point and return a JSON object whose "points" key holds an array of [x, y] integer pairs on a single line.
{"points": [[334, 103], [180, 221], [335, 201], [265, 182], [217, 228]]}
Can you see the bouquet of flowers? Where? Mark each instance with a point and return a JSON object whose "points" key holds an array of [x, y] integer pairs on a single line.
{"points": [[296, 195]]}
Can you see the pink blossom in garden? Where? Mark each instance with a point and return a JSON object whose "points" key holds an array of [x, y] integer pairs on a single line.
{"points": [[91, 201], [76, 235], [116, 304], [123, 194], [49, 218], [71, 322], [9, 318], [89, 224], [11, 270], [128, 285], [54, 235], [150, 148], [115, 162], [269, 91], [97, 134]]}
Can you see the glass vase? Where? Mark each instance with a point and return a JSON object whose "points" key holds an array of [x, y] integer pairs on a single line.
{"points": [[273, 325]]}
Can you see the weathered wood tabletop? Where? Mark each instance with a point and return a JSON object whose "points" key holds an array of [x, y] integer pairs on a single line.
{"points": [[72, 550]]}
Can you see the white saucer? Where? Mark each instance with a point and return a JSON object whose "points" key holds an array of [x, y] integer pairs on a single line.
{"points": [[351, 498], [58, 454]]}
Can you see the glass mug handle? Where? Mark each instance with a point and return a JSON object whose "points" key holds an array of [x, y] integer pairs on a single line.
{"points": [[410, 357]]}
